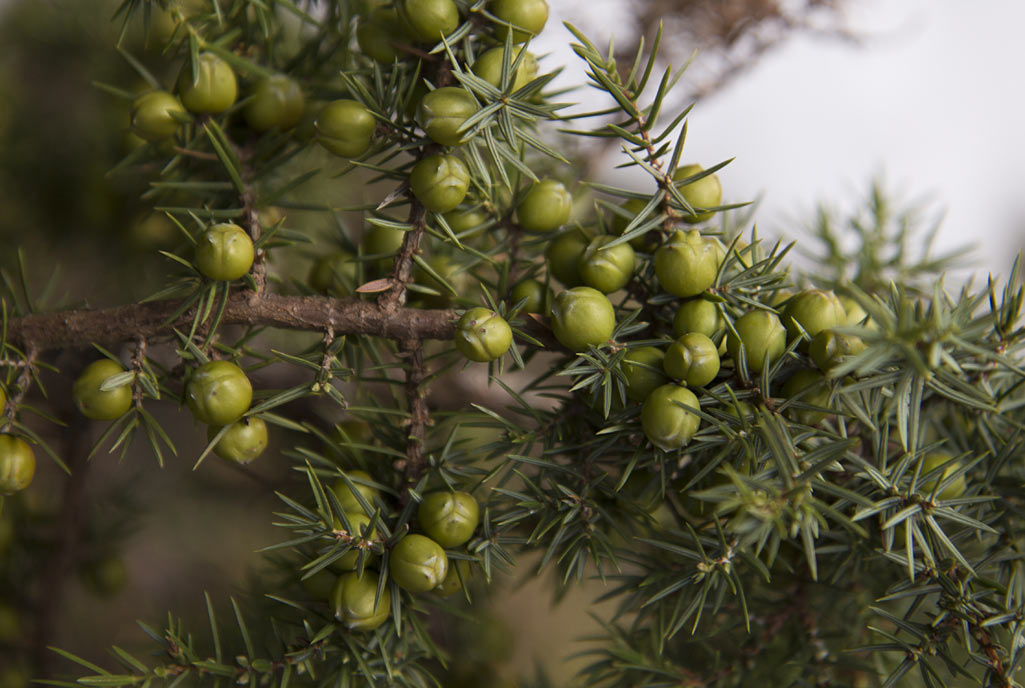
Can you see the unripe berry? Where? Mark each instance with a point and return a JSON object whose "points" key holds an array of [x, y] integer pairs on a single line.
{"points": [[703, 193], [538, 296], [828, 348], [443, 111], [697, 315], [224, 252], [214, 88], [563, 256], [379, 35], [489, 67], [687, 263], [545, 207], [440, 182], [218, 393], [932, 462], [334, 274], [633, 206], [856, 315], [156, 115], [356, 603], [482, 335], [320, 585], [449, 270], [466, 222], [346, 128], [276, 102], [582, 317], [17, 464], [606, 269], [382, 241], [96, 403], [358, 522], [418, 563], [459, 573], [813, 310], [430, 20], [449, 518], [665, 423], [348, 499], [642, 368], [817, 394], [763, 337], [693, 358], [526, 18], [242, 442]]}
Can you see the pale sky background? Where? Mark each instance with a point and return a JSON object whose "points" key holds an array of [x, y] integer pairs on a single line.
{"points": [[932, 101]]}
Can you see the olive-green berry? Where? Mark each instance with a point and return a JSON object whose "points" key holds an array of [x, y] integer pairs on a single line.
{"points": [[345, 495], [346, 128], [525, 18], [607, 268], [275, 102], [449, 518], [356, 603], [628, 211], [665, 423], [536, 297], [489, 67], [156, 115], [17, 464], [693, 359], [440, 182], [242, 442], [209, 89], [642, 368], [829, 348], [430, 20], [812, 311], [224, 252], [359, 530], [545, 207], [697, 315], [701, 194], [563, 257], [334, 274], [932, 462], [218, 393], [95, 402], [807, 387], [763, 337], [380, 34], [687, 263], [442, 113], [417, 563], [482, 335], [582, 317]]}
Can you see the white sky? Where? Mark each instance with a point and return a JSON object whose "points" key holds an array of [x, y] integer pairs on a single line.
{"points": [[932, 101]]}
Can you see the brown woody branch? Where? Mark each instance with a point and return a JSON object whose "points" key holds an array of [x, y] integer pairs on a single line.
{"points": [[81, 328]]}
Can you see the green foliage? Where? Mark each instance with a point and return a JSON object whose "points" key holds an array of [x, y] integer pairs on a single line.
{"points": [[749, 533]]}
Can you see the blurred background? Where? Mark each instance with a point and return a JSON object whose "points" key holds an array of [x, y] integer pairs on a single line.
{"points": [[813, 98]]}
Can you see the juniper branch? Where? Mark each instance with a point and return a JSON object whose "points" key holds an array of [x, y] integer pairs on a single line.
{"points": [[82, 328]]}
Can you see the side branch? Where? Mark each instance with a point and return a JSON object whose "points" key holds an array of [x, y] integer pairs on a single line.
{"points": [[81, 328]]}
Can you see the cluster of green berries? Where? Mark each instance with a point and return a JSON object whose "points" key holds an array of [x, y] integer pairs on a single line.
{"points": [[218, 393], [210, 87], [417, 563], [668, 382]]}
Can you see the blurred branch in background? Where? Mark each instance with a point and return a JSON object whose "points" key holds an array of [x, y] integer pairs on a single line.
{"points": [[731, 35]]}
